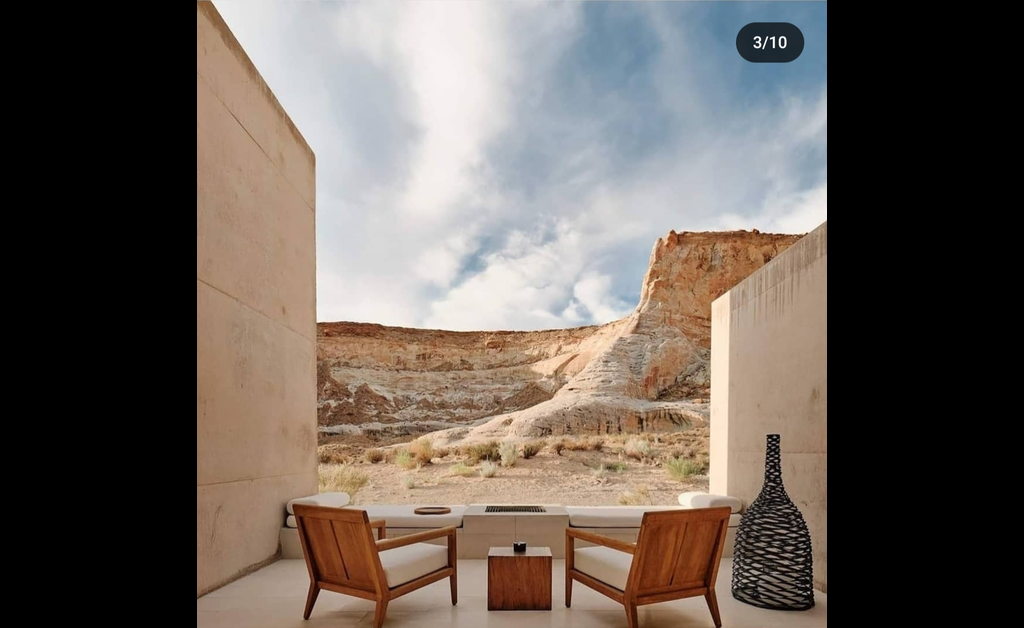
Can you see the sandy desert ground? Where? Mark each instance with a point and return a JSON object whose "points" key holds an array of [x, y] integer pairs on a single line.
{"points": [[569, 477]]}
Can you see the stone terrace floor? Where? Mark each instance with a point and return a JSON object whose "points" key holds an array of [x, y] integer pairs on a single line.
{"points": [[273, 597]]}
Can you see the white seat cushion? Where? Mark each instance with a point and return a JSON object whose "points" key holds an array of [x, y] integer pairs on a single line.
{"points": [[610, 516], [404, 517], [329, 500], [605, 564], [404, 564], [697, 499]]}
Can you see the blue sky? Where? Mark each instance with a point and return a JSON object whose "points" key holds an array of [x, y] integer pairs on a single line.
{"points": [[510, 165]]}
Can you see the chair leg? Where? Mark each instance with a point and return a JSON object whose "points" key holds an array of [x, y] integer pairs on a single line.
{"points": [[382, 611], [453, 562], [570, 563], [631, 617], [712, 601], [310, 599]]}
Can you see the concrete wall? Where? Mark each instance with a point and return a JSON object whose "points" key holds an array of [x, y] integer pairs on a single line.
{"points": [[255, 311], [769, 374]]}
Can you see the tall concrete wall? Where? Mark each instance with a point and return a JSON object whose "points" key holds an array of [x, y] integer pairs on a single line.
{"points": [[769, 374], [255, 310]]}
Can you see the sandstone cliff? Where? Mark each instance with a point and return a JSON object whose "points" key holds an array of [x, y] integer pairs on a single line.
{"points": [[646, 372]]}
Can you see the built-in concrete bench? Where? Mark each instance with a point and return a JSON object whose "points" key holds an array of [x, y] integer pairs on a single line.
{"points": [[540, 525], [478, 530], [399, 521]]}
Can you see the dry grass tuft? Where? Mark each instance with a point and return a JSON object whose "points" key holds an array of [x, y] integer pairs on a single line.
{"points": [[508, 452], [640, 496], [488, 469], [608, 467], [488, 451], [682, 468], [332, 454], [422, 450], [405, 460], [408, 482], [373, 456], [585, 443], [531, 449], [557, 446], [341, 478], [461, 470], [638, 449]]}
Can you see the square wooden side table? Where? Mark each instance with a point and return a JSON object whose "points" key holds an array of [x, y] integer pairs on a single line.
{"points": [[519, 581]]}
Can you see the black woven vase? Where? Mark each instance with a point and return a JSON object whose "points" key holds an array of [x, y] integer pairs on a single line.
{"points": [[772, 566]]}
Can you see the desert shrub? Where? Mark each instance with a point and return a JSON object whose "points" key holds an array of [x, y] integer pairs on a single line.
{"points": [[608, 467], [332, 454], [532, 449], [488, 469], [508, 452], [405, 460], [442, 452], [484, 451], [682, 468], [422, 450], [341, 478], [557, 446], [640, 496], [585, 443], [638, 448], [462, 470], [408, 482], [373, 456], [683, 452], [576, 444]]}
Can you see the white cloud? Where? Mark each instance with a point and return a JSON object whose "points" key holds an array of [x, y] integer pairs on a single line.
{"points": [[593, 292], [473, 174], [439, 265], [799, 212]]}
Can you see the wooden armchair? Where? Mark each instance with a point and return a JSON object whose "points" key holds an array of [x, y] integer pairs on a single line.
{"points": [[343, 557], [675, 556]]}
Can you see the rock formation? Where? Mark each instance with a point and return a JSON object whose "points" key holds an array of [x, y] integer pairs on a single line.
{"points": [[645, 372]]}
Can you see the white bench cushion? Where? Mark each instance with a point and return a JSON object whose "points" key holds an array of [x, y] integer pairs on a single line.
{"points": [[404, 517], [404, 564], [697, 499], [329, 500], [605, 564], [610, 516]]}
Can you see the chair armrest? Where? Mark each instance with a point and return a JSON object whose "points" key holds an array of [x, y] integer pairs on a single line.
{"points": [[382, 531], [419, 537], [597, 539]]}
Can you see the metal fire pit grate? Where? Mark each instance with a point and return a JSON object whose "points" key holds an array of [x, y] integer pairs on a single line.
{"points": [[515, 509]]}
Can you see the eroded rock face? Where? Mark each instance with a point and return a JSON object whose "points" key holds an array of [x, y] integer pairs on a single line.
{"points": [[645, 372]]}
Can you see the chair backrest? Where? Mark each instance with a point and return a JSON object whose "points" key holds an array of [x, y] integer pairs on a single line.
{"points": [[339, 547], [678, 550]]}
